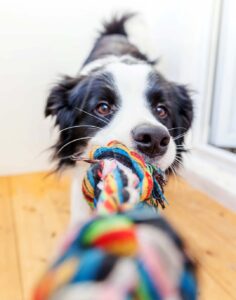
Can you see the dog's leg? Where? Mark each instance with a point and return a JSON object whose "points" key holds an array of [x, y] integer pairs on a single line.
{"points": [[80, 210]]}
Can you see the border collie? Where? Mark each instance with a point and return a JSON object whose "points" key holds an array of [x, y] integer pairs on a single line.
{"points": [[118, 95]]}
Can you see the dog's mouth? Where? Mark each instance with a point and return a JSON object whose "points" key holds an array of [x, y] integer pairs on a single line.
{"points": [[150, 159], [153, 159]]}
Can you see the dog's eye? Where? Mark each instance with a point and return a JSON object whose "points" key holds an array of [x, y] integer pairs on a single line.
{"points": [[103, 109], [161, 111]]}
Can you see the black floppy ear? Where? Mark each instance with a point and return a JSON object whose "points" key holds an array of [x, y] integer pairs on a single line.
{"points": [[185, 106], [58, 98]]}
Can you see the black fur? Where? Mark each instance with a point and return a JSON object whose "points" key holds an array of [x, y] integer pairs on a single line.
{"points": [[113, 40], [116, 25], [72, 101], [176, 98]]}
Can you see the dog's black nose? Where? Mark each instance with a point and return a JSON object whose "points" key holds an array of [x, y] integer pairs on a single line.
{"points": [[151, 140]]}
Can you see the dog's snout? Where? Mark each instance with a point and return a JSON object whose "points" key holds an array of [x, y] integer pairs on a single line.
{"points": [[151, 140]]}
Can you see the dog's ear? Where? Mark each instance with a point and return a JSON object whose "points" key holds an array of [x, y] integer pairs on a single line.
{"points": [[58, 98], [184, 103]]}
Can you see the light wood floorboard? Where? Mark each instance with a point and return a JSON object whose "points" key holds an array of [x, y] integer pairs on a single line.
{"points": [[34, 213]]}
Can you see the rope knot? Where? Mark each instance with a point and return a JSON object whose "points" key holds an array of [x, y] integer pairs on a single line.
{"points": [[119, 179]]}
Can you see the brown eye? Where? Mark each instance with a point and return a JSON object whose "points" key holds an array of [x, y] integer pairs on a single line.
{"points": [[161, 111], [103, 109]]}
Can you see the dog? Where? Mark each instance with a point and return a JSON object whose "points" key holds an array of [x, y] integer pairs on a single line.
{"points": [[118, 94]]}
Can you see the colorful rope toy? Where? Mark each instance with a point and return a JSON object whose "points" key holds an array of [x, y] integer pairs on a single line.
{"points": [[131, 254], [119, 179]]}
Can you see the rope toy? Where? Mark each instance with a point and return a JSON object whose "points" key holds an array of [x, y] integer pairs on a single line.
{"points": [[119, 179], [117, 257], [126, 251]]}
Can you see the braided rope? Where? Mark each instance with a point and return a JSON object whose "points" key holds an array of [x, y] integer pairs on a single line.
{"points": [[128, 256], [119, 179], [126, 251]]}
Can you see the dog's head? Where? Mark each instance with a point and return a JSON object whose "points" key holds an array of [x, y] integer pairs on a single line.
{"points": [[124, 99]]}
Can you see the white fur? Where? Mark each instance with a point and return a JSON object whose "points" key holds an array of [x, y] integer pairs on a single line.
{"points": [[80, 210], [106, 60], [131, 84]]}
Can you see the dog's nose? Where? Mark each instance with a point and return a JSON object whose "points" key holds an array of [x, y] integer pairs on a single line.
{"points": [[151, 140]]}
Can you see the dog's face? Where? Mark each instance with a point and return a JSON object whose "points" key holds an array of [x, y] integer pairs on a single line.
{"points": [[122, 100]]}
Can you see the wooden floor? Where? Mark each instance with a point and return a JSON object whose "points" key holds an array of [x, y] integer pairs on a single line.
{"points": [[34, 213]]}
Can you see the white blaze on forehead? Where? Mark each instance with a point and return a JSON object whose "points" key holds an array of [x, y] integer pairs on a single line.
{"points": [[98, 63], [131, 84], [102, 62]]}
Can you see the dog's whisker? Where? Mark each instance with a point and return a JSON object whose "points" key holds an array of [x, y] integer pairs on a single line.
{"points": [[175, 176], [184, 149], [179, 162], [175, 170], [75, 140], [92, 115], [65, 157], [179, 136], [173, 128], [178, 159], [78, 126], [181, 165]]}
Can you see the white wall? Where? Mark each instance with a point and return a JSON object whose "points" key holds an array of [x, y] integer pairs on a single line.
{"points": [[42, 39]]}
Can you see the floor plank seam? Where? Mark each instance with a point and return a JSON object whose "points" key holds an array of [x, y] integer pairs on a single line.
{"points": [[16, 238]]}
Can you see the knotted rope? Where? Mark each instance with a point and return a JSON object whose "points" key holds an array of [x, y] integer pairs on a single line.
{"points": [[131, 254], [118, 257], [119, 179]]}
